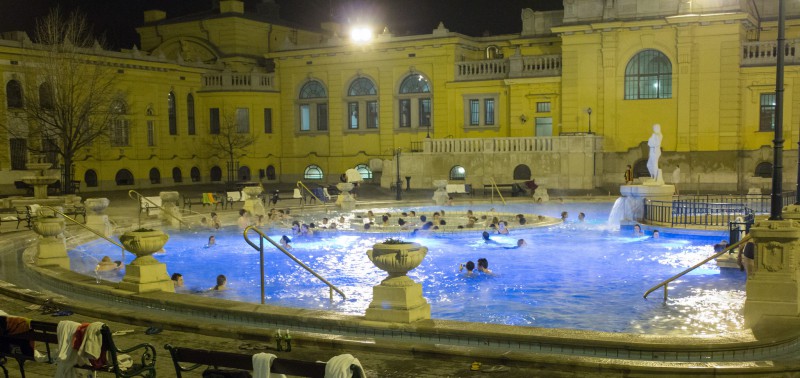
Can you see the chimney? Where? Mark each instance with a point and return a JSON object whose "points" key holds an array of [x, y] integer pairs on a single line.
{"points": [[154, 15], [231, 6]]}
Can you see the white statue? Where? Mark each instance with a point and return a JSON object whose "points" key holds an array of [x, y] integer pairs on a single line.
{"points": [[655, 151]]}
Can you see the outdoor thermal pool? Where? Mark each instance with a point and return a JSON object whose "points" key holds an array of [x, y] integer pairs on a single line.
{"points": [[579, 275]]}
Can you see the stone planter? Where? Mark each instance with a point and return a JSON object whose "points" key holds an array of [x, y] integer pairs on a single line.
{"points": [[345, 200], [145, 273], [51, 249], [96, 205], [252, 191], [440, 196], [398, 298], [49, 227], [252, 203]]}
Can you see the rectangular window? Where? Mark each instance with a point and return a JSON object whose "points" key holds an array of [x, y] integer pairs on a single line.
{"points": [[542, 107], [190, 119], [242, 120], [267, 121], [424, 112], [352, 111], [50, 150], [767, 114], [474, 112], [322, 117], [305, 117], [213, 120], [19, 153], [151, 133], [372, 114], [119, 133], [488, 108], [405, 113], [544, 126]]}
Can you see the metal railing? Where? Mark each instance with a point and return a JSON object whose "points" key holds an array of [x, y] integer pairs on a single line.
{"points": [[304, 187], [759, 203], [496, 189], [139, 197], [695, 266], [67, 217], [694, 213], [260, 249]]}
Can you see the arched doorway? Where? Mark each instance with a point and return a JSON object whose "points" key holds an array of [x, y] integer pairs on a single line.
{"points": [[124, 177], [216, 173]]}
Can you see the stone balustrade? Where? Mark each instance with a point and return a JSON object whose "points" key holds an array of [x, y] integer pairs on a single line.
{"points": [[766, 53], [575, 143], [513, 67], [253, 81]]}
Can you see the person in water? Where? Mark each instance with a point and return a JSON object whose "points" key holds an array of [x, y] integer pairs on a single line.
{"points": [[106, 265], [212, 240], [286, 242], [470, 266], [221, 282], [483, 266]]}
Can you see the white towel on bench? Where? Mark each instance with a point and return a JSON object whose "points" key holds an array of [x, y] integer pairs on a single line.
{"points": [[66, 356], [339, 366], [262, 363]]}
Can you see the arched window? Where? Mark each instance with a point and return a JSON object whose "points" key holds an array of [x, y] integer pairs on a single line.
{"points": [[190, 113], [364, 170], [216, 173], [271, 173], [177, 175], [764, 169], [46, 99], [14, 94], [172, 110], [414, 106], [648, 75], [90, 178], [522, 172], [640, 169], [244, 173], [313, 172], [124, 177], [155, 176], [458, 173], [195, 174], [313, 107], [362, 105]]}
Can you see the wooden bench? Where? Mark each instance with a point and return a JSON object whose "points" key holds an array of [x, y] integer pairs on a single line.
{"points": [[75, 210], [231, 198], [189, 201], [217, 359], [16, 347], [25, 214], [150, 205]]}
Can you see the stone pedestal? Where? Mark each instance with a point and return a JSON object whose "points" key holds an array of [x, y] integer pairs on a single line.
{"points": [[634, 197], [398, 298], [145, 273], [97, 220], [345, 200], [541, 195], [440, 196], [252, 203], [171, 212], [773, 290], [51, 249]]}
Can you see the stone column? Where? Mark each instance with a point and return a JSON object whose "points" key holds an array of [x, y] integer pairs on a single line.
{"points": [[171, 213], [145, 273], [773, 290], [52, 249], [398, 298], [97, 220]]}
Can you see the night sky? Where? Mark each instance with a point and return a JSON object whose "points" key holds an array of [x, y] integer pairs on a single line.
{"points": [[116, 19]]}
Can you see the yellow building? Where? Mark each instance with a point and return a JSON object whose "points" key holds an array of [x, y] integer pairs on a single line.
{"points": [[569, 101]]}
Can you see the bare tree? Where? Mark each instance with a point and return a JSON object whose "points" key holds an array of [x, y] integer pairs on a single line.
{"points": [[231, 140], [69, 98]]}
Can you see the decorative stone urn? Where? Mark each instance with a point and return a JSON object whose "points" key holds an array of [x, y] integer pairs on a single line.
{"points": [[52, 249], [440, 195], [345, 200], [172, 213], [97, 220], [252, 203], [145, 273], [397, 298]]}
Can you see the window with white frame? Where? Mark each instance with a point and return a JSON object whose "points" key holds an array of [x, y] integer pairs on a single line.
{"points": [[120, 126], [766, 120], [542, 107], [313, 107], [313, 172], [242, 120], [648, 75], [364, 170], [362, 104], [414, 102], [480, 110]]}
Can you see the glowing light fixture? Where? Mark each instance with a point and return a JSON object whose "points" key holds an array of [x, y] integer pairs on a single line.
{"points": [[361, 34]]}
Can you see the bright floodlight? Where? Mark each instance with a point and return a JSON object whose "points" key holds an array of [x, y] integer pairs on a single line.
{"points": [[361, 34]]}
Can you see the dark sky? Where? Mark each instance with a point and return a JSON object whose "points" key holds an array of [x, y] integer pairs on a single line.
{"points": [[116, 19]]}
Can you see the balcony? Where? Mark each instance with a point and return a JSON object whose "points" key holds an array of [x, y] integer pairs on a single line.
{"points": [[235, 81], [516, 66], [766, 53]]}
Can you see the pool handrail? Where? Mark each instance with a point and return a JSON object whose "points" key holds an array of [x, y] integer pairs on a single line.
{"points": [[695, 266], [139, 197], [67, 217], [260, 248], [303, 186], [494, 185]]}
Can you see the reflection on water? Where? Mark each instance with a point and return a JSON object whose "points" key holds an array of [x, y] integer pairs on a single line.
{"points": [[575, 275]]}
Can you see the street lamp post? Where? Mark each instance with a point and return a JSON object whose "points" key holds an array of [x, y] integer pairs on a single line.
{"points": [[589, 111], [776, 203], [399, 184]]}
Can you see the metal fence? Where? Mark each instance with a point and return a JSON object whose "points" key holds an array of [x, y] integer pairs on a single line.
{"points": [[759, 203], [695, 213]]}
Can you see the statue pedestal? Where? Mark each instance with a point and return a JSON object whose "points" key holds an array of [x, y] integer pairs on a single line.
{"points": [[345, 200], [398, 300], [97, 220], [252, 203], [52, 252], [773, 292], [635, 195], [145, 273]]}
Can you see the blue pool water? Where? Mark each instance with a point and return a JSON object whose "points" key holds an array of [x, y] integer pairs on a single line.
{"points": [[575, 275]]}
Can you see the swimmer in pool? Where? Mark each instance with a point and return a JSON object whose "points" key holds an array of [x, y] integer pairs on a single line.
{"points": [[212, 240], [470, 266]]}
